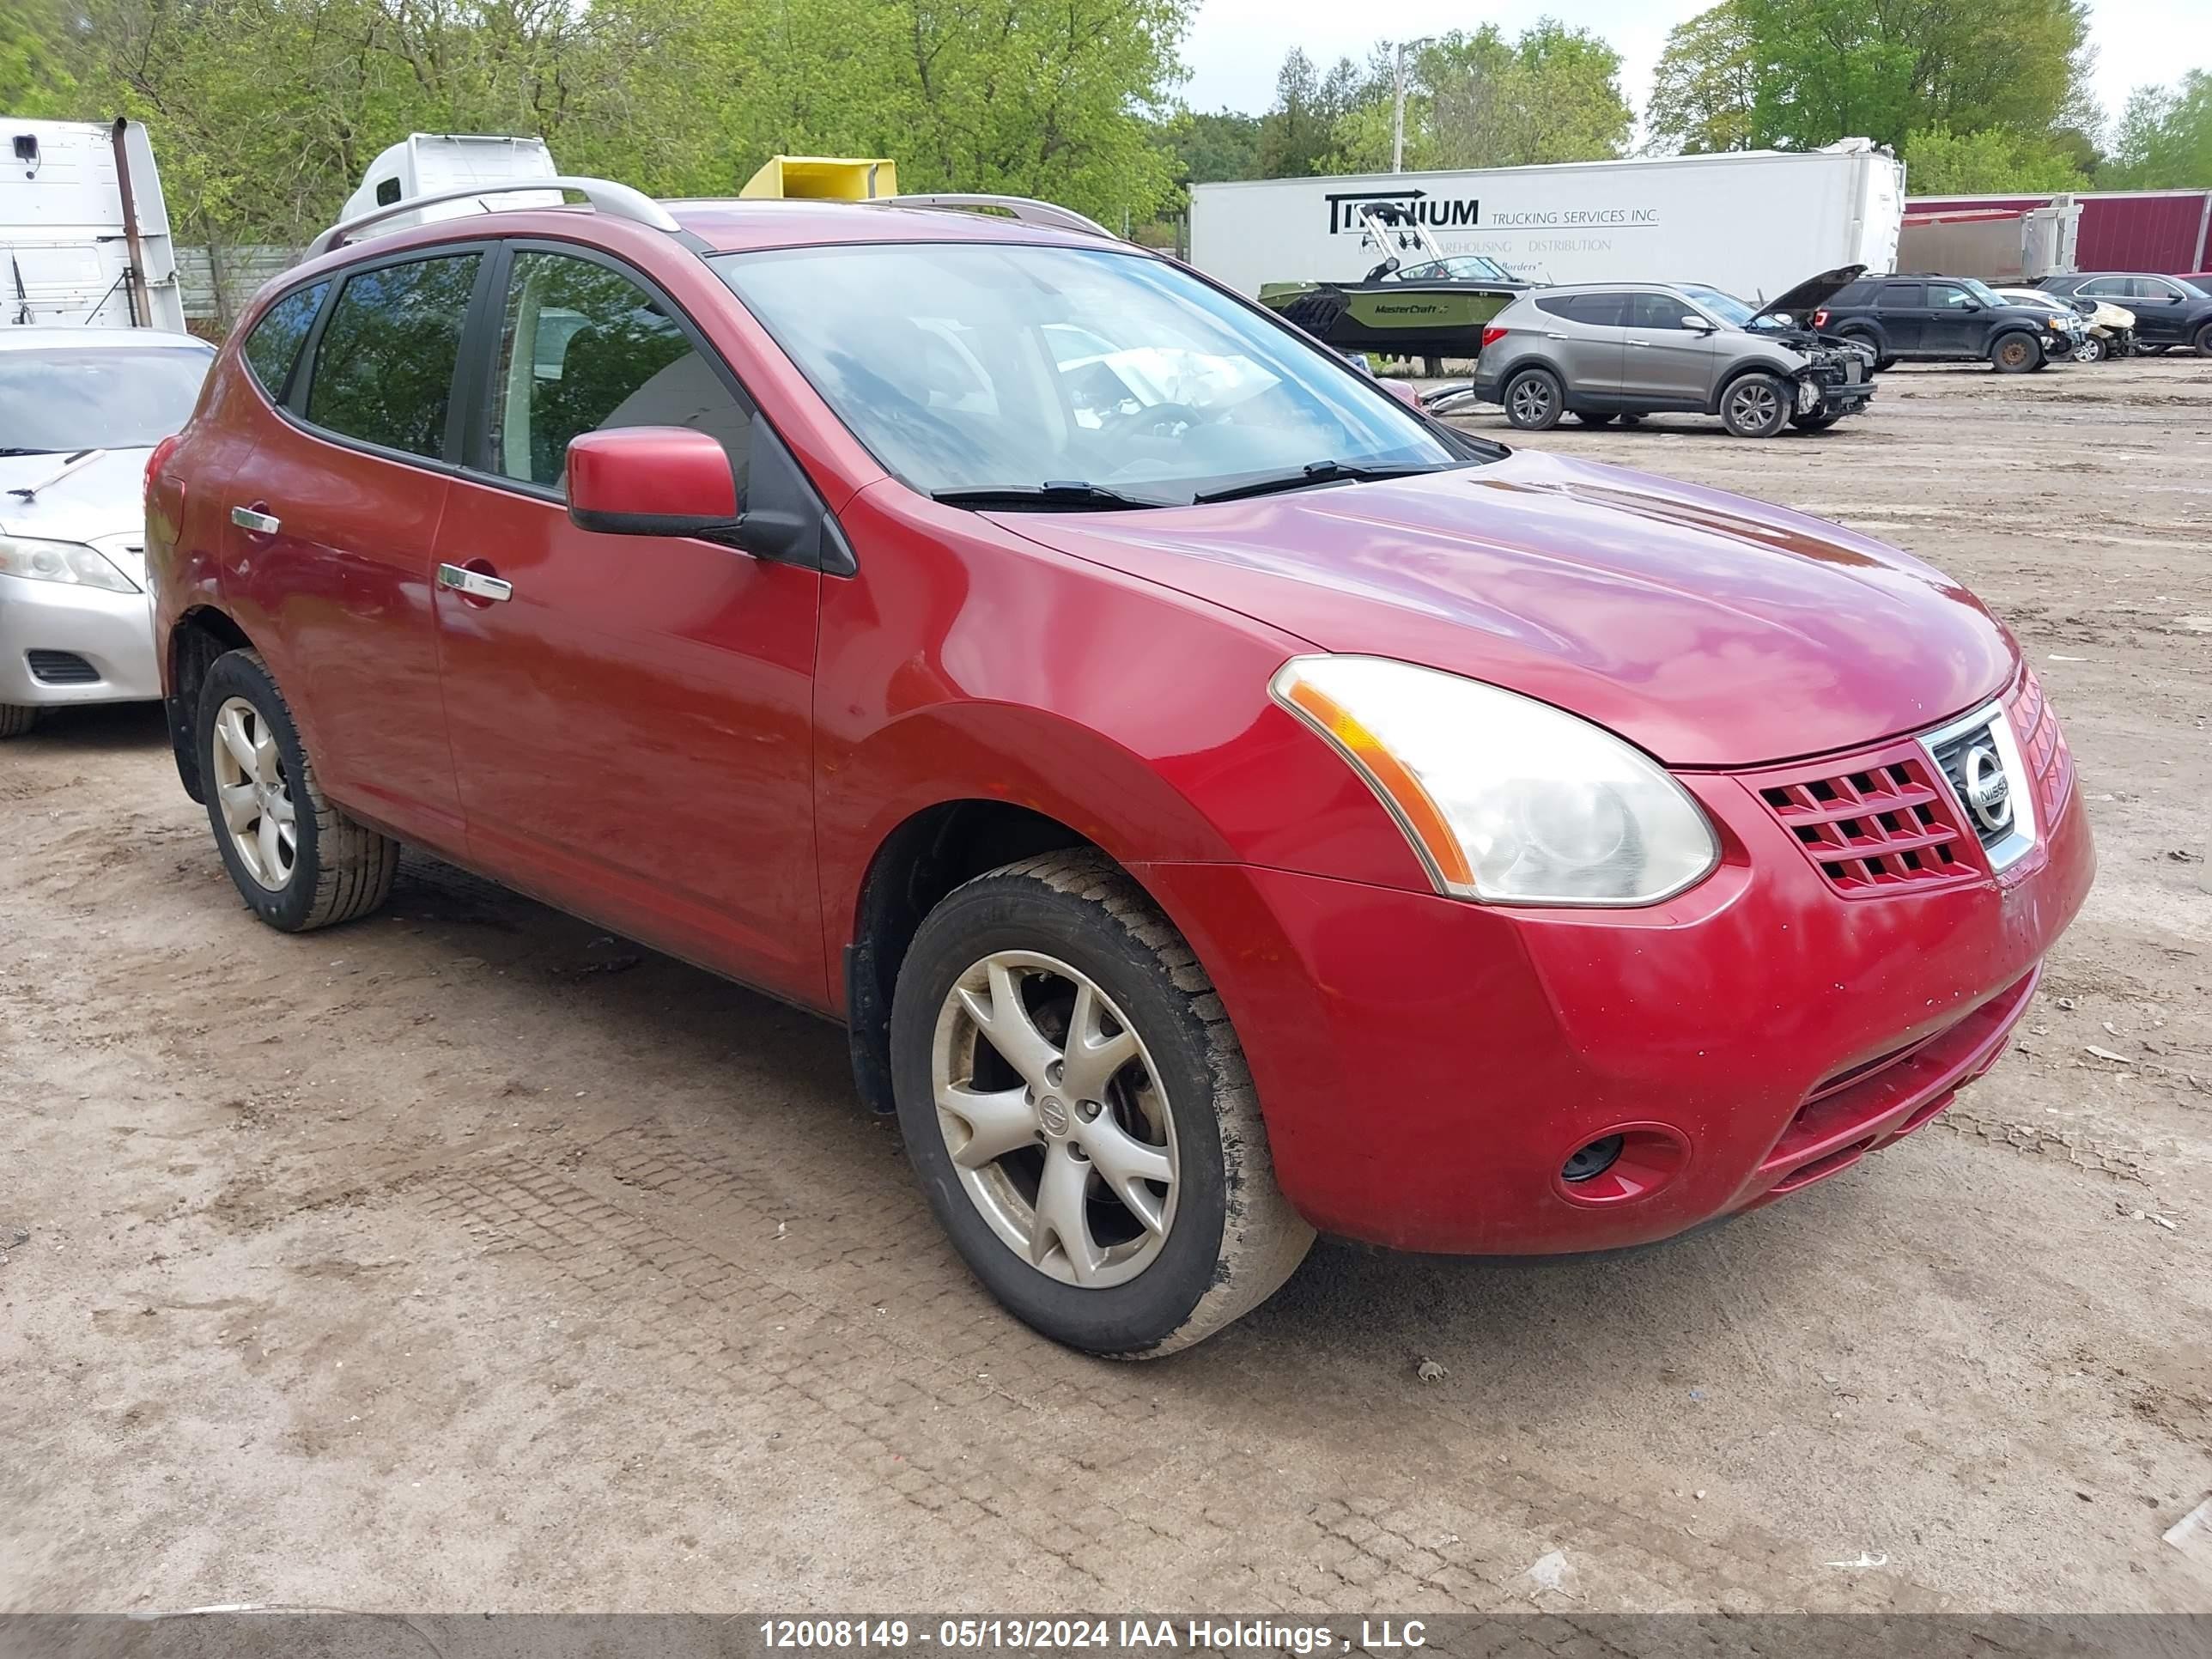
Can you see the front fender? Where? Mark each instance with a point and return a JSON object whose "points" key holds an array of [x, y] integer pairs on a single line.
{"points": [[964, 662]]}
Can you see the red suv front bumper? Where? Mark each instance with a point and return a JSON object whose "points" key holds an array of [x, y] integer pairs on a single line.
{"points": [[1427, 1068]]}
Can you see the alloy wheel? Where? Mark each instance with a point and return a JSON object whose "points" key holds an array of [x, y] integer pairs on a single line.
{"points": [[1055, 1118], [255, 794], [1532, 401], [2091, 351], [1753, 404]]}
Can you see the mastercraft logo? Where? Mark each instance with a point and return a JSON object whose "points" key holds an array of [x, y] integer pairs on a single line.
{"points": [[1438, 212]]}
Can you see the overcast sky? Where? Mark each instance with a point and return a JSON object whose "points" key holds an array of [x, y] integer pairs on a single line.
{"points": [[1235, 45]]}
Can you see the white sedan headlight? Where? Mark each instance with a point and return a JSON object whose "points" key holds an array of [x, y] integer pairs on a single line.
{"points": [[61, 561], [1506, 800]]}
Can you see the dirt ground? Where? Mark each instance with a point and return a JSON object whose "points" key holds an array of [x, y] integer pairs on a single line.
{"points": [[467, 1257]]}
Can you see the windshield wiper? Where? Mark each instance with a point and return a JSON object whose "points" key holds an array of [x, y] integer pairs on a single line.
{"points": [[9, 449], [1313, 472], [1053, 495]]}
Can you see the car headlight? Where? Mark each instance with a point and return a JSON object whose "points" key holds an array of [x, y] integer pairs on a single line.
{"points": [[61, 561], [1506, 800]]}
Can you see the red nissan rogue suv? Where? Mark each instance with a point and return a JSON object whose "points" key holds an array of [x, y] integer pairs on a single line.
{"points": [[1220, 802]]}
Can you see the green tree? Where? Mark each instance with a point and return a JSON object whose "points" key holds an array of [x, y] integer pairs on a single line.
{"points": [[1479, 100], [1940, 163], [2165, 137], [1705, 91], [1298, 133], [34, 80], [1817, 70]]}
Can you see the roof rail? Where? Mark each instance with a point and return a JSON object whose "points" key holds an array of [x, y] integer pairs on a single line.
{"points": [[1026, 210], [602, 195]]}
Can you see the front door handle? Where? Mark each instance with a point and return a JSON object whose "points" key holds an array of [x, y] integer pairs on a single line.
{"points": [[246, 518], [475, 584]]}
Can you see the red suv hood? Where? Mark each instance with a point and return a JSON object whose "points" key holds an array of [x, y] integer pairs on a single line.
{"points": [[1710, 629]]}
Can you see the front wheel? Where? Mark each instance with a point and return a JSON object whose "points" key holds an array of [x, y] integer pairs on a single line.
{"points": [[1819, 420], [299, 862], [1533, 400], [1078, 1110], [1755, 406], [16, 718], [2092, 350], [2204, 341], [2015, 354]]}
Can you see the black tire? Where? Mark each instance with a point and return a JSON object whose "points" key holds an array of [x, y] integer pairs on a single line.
{"points": [[1819, 420], [16, 718], [2203, 341], [340, 871], [2015, 353], [1757, 405], [1632, 420], [1533, 400], [1881, 364], [1593, 417], [1231, 1238]]}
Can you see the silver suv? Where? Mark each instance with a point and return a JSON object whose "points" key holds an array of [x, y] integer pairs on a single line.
{"points": [[1600, 352]]}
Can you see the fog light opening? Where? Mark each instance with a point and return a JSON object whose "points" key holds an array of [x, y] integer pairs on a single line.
{"points": [[1592, 1161]]}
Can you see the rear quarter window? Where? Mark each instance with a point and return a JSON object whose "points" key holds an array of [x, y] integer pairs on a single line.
{"points": [[274, 345], [384, 368]]}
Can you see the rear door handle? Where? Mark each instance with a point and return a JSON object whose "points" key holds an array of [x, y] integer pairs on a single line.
{"points": [[246, 518], [474, 583]]}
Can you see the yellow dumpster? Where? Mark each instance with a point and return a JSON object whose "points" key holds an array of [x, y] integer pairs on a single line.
{"points": [[840, 178]]}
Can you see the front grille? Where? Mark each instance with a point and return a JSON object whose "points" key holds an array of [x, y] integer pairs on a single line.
{"points": [[61, 668], [2043, 747], [1881, 825], [1966, 756]]}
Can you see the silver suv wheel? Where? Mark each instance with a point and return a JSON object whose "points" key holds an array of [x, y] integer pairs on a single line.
{"points": [[1055, 1118], [254, 795]]}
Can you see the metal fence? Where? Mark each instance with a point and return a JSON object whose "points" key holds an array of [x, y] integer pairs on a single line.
{"points": [[217, 282]]}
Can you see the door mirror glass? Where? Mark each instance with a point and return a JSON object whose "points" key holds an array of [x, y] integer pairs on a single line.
{"points": [[651, 481]]}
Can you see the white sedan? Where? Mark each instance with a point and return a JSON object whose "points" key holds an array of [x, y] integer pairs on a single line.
{"points": [[81, 410]]}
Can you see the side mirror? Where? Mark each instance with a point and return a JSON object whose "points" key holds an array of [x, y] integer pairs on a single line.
{"points": [[1700, 324], [651, 481], [672, 481]]}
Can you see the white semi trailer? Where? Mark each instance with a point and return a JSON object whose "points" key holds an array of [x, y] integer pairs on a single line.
{"points": [[84, 234], [1752, 222]]}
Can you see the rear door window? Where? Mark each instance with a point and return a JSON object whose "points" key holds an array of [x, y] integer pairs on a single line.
{"points": [[583, 348], [384, 370], [1598, 310], [1902, 297], [274, 346], [2108, 287]]}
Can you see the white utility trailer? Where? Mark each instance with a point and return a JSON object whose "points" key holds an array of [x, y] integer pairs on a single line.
{"points": [[1753, 222], [84, 234]]}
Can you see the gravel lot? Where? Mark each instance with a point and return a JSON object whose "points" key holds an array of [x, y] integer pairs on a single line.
{"points": [[468, 1257]]}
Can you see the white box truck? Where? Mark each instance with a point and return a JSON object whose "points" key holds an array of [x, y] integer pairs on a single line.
{"points": [[84, 234], [424, 163], [1753, 222]]}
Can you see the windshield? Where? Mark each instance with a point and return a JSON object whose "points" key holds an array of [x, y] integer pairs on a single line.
{"points": [[2194, 290], [61, 400], [1726, 307], [976, 366], [1461, 268], [1980, 290]]}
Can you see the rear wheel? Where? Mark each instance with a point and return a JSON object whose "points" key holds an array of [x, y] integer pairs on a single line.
{"points": [[1755, 405], [2204, 341], [2015, 354], [16, 718], [1593, 417], [1534, 401], [299, 862], [1078, 1110]]}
